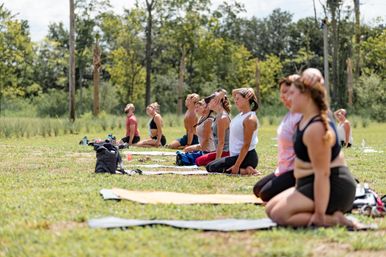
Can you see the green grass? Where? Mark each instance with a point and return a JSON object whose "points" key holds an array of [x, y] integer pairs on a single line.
{"points": [[49, 191]]}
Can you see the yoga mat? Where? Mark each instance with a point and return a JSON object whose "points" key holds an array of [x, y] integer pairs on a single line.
{"points": [[224, 225], [150, 153], [183, 198], [108, 194], [167, 166], [166, 172]]}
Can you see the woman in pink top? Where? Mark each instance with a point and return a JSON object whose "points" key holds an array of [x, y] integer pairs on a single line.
{"points": [[283, 177], [132, 133]]}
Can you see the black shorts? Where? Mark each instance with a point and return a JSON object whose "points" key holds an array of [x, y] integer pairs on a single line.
{"points": [[163, 140], [343, 144], [184, 140], [342, 189], [127, 139]]}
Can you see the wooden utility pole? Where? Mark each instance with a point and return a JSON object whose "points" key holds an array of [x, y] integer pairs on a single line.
{"points": [[71, 74], [325, 55], [357, 39], [148, 50], [180, 86], [257, 81], [96, 75], [349, 81]]}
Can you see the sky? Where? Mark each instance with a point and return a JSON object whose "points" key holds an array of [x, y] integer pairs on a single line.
{"points": [[40, 13]]}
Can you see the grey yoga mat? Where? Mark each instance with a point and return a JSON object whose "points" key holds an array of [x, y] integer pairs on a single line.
{"points": [[224, 225], [150, 153], [168, 172]]}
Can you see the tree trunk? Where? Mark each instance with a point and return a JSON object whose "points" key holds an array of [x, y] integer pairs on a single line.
{"points": [[349, 81], [357, 48], [149, 25], [257, 81], [71, 76], [315, 17], [325, 57], [180, 86], [96, 76], [335, 50]]}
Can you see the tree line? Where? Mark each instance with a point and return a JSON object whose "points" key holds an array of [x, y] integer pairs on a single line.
{"points": [[160, 50]]}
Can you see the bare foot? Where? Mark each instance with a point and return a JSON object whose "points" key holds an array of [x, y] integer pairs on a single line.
{"points": [[249, 171], [349, 223]]}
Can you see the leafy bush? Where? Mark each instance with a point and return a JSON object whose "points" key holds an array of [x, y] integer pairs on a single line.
{"points": [[371, 96], [52, 104]]}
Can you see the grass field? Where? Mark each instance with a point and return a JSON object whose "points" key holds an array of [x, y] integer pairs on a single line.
{"points": [[49, 191]]}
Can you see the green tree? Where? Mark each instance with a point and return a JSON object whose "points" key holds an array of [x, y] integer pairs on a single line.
{"points": [[16, 55], [125, 60]]}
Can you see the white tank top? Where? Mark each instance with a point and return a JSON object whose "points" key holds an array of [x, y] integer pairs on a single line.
{"points": [[236, 134], [342, 133]]}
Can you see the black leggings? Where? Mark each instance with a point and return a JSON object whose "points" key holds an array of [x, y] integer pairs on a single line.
{"points": [[342, 189], [221, 165], [271, 185]]}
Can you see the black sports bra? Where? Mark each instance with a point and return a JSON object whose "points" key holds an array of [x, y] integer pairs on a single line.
{"points": [[300, 148], [152, 124]]}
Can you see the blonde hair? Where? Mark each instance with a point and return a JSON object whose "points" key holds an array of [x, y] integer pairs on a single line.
{"points": [[130, 107], [155, 106], [193, 96]]}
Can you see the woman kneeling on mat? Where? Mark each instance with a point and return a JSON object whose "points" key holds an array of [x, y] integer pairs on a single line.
{"points": [[155, 128], [325, 188], [283, 177], [220, 127], [203, 129], [242, 137], [205, 137], [132, 133]]}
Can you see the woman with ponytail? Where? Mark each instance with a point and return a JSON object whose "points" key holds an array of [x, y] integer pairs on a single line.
{"points": [[325, 188], [243, 158], [205, 137], [220, 127]]}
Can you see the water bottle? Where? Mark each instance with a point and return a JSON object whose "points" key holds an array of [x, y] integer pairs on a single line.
{"points": [[84, 140]]}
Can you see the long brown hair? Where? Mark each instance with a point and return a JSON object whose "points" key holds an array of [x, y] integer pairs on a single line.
{"points": [[318, 95], [224, 102]]}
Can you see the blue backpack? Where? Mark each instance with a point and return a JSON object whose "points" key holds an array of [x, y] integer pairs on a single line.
{"points": [[187, 159]]}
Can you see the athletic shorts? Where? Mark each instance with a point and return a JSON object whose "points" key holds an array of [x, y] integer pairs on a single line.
{"points": [[184, 140], [163, 140], [135, 139], [342, 189]]}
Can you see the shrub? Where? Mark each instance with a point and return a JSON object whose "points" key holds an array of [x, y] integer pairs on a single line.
{"points": [[52, 104], [371, 96]]}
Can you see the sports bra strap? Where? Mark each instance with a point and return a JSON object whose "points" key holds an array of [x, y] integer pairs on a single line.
{"points": [[312, 120]]}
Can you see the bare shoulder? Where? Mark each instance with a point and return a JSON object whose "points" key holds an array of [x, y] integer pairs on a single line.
{"points": [[314, 132], [251, 121], [157, 117]]}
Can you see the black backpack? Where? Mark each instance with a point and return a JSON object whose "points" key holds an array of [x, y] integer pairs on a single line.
{"points": [[108, 158]]}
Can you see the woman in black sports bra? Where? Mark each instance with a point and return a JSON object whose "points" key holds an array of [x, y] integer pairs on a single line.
{"points": [[325, 188], [155, 128]]}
